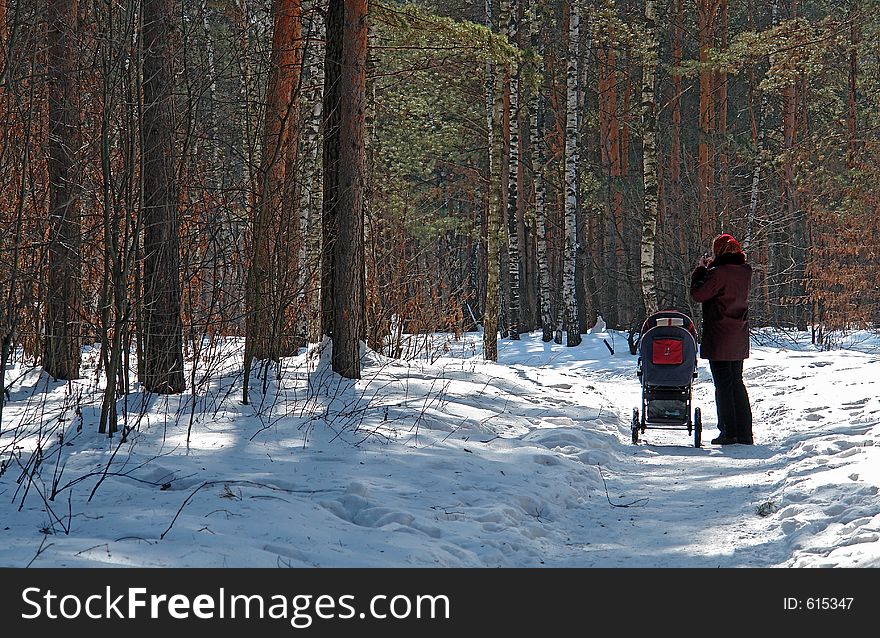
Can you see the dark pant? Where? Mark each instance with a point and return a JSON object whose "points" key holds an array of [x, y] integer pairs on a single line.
{"points": [[732, 400]]}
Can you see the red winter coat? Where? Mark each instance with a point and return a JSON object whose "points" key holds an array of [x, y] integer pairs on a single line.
{"points": [[723, 289]]}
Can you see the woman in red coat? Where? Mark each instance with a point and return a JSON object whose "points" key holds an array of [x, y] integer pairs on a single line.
{"points": [[722, 284]]}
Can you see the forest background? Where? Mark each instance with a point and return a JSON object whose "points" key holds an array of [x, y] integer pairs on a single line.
{"points": [[177, 172]]}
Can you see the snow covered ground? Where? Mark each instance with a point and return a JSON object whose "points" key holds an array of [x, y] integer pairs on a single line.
{"points": [[448, 461]]}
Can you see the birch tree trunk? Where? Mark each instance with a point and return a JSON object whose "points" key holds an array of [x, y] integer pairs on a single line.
{"points": [[649, 158], [163, 329], [759, 151], [538, 148], [62, 352], [513, 256], [494, 117], [794, 242], [571, 324], [311, 192]]}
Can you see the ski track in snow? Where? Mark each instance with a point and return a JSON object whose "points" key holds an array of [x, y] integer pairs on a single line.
{"points": [[458, 462]]}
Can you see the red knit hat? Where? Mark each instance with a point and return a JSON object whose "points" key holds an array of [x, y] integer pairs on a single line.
{"points": [[725, 244]]}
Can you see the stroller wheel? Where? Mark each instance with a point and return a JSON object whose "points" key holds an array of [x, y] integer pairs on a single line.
{"points": [[635, 426], [698, 427]]}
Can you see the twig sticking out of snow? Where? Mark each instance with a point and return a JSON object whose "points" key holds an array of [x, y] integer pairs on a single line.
{"points": [[226, 485], [637, 503]]}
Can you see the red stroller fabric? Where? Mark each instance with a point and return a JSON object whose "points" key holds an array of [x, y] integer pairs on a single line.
{"points": [[667, 352]]}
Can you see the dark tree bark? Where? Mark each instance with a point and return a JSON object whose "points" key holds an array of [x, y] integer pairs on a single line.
{"points": [[163, 340], [62, 352], [342, 294]]}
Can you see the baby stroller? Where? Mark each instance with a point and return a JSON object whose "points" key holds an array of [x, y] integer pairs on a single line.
{"points": [[667, 366]]}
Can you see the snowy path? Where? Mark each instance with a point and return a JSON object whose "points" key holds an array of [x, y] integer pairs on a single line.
{"points": [[670, 503], [720, 506]]}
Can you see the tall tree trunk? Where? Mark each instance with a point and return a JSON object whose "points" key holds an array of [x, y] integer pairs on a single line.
{"points": [[583, 264], [706, 10], [679, 221], [795, 243], [720, 127], [494, 119], [571, 324], [538, 148], [788, 236], [756, 174], [270, 219], [330, 159], [344, 173], [309, 122], [288, 263], [759, 152], [502, 23], [163, 331], [377, 317], [649, 158], [312, 191], [630, 295], [216, 274], [531, 83], [62, 352], [610, 143], [513, 256]]}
